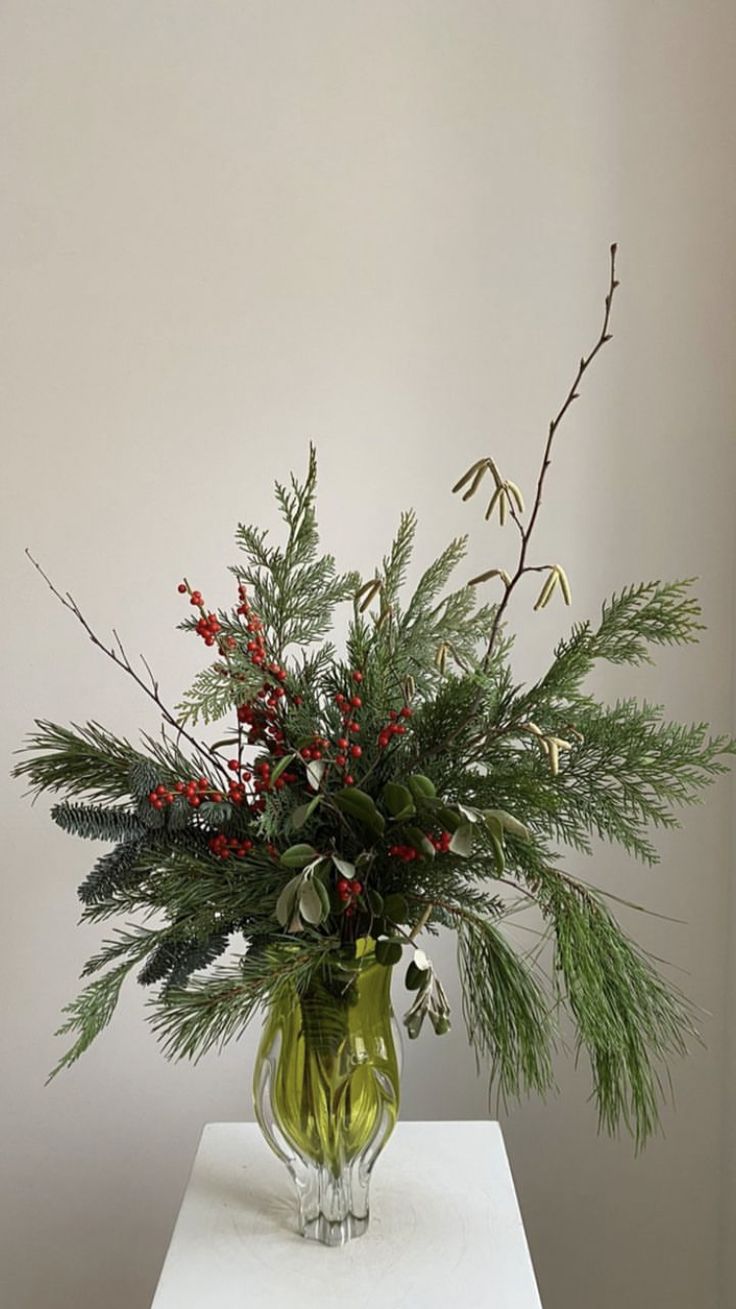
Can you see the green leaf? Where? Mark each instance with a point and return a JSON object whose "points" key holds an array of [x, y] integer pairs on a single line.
{"points": [[421, 787], [286, 902], [440, 1023], [357, 804], [495, 831], [395, 907], [281, 766], [344, 868], [415, 977], [420, 842], [509, 823], [388, 951], [303, 812], [315, 773], [311, 907], [324, 896], [449, 818], [462, 840], [298, 856], [375, 901], [398, 800]]}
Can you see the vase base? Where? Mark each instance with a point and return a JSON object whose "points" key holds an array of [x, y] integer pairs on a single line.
{"points": [[334, 1232]]}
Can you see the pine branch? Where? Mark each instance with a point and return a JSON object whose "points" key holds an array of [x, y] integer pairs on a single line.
{"points": [[214, 1010], [506, 1014], [627, 1018]]}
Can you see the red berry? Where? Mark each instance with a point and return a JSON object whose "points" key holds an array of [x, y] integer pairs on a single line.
{"points": [[234, 766], [356, 887], [348, 779], [340, 760], [356, 751], [357, 675], [181, 588], [406, 712], [342, 742], [353, 727], [356, 702]]}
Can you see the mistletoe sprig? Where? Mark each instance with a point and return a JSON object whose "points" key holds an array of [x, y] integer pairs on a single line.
{"points": [[403, 785]]}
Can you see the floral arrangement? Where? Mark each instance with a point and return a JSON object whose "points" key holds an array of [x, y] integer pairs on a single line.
{"points": [[403, 785]]}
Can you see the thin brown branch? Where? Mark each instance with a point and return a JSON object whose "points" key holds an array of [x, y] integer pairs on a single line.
{"points": [[121, 660], [572, 395]]}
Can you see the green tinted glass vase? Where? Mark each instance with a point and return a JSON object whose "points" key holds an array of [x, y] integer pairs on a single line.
{"points": [[326, 1090]]}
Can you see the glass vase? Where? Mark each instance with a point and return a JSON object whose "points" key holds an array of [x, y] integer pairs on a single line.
{"points": [[326, 1090]]}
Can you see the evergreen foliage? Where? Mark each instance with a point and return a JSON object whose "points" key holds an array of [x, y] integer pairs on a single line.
{"points": [[396, 789]]}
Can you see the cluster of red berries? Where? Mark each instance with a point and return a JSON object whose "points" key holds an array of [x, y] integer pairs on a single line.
{"points": [[193, 791], [408, 853], [208, 625], [224, 846], [256, 645], [316, 749], [260, 716], [264, 782], [348, 892], [394, 726], [441, 843], [405, 852], [346, 749]]}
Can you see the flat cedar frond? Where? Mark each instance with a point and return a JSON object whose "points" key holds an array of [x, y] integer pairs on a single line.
{"points": [[91, 1012], [396, 562], [434, 580], [652, 613]]}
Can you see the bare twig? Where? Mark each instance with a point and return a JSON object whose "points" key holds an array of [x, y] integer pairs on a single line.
{"points": [[120, 659], [526, 530]]}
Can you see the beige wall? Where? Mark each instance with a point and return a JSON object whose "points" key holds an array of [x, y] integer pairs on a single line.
{"points": [[232, 226]]}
